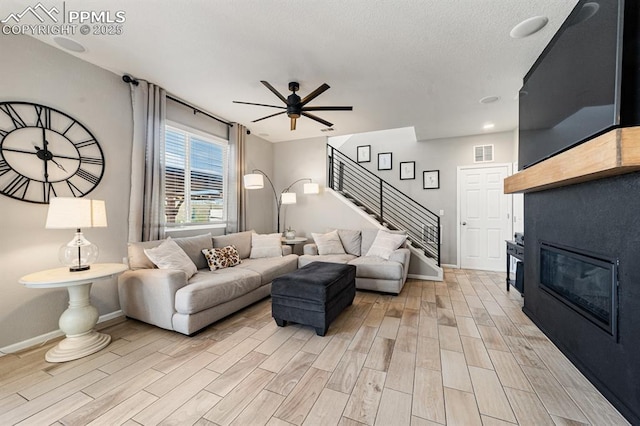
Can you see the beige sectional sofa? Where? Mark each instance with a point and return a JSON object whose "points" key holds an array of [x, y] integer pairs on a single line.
{"points": [[372, 272], [167, 299]]}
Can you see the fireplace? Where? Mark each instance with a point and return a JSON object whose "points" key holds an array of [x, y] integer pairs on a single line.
{"points": [[582, 280], [585, 282]]}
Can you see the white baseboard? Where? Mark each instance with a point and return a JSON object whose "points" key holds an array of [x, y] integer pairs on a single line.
{"points": [[450, 266], [44, 338]]}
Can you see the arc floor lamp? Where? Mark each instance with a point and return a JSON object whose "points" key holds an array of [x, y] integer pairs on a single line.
{"points": [[255, 180]]}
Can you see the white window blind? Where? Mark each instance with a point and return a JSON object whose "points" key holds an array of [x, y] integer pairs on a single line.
{"points": [[195, 170]]}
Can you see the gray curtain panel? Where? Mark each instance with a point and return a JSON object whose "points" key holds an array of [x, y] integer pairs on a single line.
{"points": [[146, 211], [236, 217]]}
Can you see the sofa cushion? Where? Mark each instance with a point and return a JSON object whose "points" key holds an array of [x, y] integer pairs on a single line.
{"points": [[385, 243], [376, 267], [169, 255], [137, 258], [272, 267], [328, 243], [351, 241], [266, 245], [207, 289], [370, 234], [240, 240], [331, 258], [193, 246], [220, 258]]}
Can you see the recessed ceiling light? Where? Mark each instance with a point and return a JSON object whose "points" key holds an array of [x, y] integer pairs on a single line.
{"points": [[69, 44], [488, 126], [489, 99], [586, 12], [529, 26]]}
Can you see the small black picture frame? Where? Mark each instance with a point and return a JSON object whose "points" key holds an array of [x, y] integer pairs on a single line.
{"points": [[384, 161], [363, 154], [407, 170], [431, 179]]}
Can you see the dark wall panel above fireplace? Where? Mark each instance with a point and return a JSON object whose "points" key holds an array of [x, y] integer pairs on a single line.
{"points": [[601, 216]]}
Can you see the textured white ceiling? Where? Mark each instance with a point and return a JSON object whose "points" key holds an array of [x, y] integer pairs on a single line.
{"points": [[421, 63]]}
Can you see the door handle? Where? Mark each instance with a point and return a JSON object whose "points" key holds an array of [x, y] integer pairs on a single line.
{"points": [[464, 223]]}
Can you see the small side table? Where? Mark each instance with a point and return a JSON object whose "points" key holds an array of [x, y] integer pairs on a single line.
{"points": [[293, 241], [516, 251], [78, 321]]}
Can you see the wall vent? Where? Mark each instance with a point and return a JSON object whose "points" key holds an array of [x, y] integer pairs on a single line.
{"points": [[483, 153]]}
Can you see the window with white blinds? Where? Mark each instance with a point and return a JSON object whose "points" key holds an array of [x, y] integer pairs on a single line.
{"points": [[195, 170]]}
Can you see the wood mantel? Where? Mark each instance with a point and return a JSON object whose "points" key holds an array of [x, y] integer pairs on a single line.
{"points": [[613, 153]]}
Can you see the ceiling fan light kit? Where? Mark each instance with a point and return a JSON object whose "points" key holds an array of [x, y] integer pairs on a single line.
{"points": [[295, 106]]}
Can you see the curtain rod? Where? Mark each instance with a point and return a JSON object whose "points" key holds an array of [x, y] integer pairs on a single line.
{"points": [[128, 79]]}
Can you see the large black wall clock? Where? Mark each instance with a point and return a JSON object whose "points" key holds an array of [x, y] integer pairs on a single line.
{"points": [[46, 153]]}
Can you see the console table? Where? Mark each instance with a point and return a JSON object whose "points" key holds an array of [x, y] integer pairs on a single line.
{"points": [[516, 251], [78, 320]]}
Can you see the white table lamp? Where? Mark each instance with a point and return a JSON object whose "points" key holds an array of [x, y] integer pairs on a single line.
{"points": [[77, 213]]}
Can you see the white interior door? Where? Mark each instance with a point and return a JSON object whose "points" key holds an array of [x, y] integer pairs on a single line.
{"points": [[485, 217]]}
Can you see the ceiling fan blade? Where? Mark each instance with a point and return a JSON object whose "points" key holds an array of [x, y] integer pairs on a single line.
{"points": [[293, 123], [251, 103], [314, 94], [275, 92], [318, 119], [268, 116], [328, 108]]}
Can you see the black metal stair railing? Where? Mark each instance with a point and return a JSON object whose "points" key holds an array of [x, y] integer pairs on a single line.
{"points": [[384, 202]]}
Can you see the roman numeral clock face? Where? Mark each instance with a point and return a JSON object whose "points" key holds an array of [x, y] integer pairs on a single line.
{"points": [[45, 153]]}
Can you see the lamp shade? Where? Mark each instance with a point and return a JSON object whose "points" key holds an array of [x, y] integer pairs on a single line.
{"points": [[311, 188], [253, 181], [69, 213], [288, 198]]}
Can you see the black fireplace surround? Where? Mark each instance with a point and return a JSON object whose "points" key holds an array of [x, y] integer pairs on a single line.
{"points": [[597, 221]]}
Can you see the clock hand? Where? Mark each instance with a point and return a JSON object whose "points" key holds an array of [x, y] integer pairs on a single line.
{"points": [[48, 156], [44, 157], [58, 164]]}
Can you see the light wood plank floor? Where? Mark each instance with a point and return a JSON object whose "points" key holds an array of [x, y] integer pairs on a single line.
{"points": [[458, 352]]}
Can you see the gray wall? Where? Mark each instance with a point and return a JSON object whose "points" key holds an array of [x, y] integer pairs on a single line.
{"points": [[101, 101], [438, 154], [260, 208], [306, 158]]}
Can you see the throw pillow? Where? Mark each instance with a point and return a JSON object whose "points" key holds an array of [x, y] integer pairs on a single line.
{"points": [[219, 258], [351, 241], [328, 243], [137, 259], [370, 234], [266, 245], [385, 243], [193, 246], [169, 255], [240, 240]]}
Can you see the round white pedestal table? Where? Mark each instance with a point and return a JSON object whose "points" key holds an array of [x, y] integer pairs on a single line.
{"points": [[78, 321]]}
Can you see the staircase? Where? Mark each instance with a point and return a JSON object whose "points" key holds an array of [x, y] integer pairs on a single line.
{"points": [[386, 204]]}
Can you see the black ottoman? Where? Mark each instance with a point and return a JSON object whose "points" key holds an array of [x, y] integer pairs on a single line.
{"points": [[313, 295]]}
